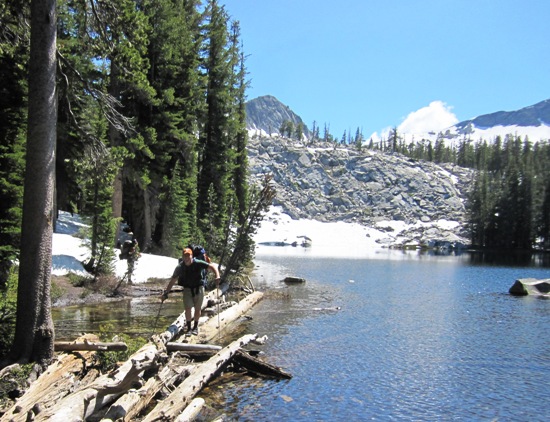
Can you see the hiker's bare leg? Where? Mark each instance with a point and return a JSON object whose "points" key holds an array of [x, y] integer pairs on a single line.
{"points": [[197, 316]]}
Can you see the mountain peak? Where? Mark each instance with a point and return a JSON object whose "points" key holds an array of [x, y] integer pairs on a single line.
{"points": [[267, 114]]}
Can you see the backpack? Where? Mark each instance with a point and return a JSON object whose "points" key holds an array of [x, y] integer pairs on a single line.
{"points": [[126, 248], [199, 253]]}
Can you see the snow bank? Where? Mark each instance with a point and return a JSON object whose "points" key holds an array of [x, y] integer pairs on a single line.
{"points": [[333, 240], [68, 253]]}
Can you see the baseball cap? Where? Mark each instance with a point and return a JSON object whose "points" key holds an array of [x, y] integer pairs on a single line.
{"points": [[188, 251]]}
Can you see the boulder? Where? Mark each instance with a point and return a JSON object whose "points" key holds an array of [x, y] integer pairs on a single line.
{"points": [[530, 286]]}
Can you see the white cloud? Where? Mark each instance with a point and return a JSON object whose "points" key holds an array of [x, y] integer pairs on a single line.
{"points": [[433, 118]]}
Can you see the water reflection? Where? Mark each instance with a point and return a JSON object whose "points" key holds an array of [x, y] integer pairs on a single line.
{"points": [[136, 317], [510, 258]]}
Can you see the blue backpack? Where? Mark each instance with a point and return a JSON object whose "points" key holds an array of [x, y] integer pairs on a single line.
{"points": [[199, 253]]}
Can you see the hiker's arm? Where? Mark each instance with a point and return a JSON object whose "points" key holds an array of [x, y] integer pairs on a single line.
{"points": [[214, 268], [164, 295]]}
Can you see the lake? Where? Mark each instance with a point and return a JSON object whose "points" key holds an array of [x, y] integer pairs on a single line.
{"points": [[422, 338], [392, 337]]}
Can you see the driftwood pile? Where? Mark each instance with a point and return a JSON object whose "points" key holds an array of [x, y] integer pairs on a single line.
{"points": [[69, 391]]}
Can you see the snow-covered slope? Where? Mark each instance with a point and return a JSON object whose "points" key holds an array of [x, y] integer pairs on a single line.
{"points": [[531, 122]]}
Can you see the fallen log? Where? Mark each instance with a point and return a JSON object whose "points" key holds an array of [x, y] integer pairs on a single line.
{"points": [[179, 399], [69, 371], [199, 355], [72, 346], [127, 407], [212, 328], [87, 399], [191, 411], [258, 366], [104, 390], [131, 404], [190, 347]]}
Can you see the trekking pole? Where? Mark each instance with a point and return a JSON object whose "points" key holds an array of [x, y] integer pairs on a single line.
{"points": [[156, 319], [218, 301]]}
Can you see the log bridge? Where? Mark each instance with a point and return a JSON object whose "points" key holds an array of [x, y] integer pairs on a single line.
{"points": [[69, 391]]}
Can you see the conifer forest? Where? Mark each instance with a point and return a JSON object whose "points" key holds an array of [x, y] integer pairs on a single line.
{"points": [[150, 124]]}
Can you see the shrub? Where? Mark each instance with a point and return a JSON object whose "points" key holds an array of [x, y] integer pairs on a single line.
{"points": [[8, 307]]}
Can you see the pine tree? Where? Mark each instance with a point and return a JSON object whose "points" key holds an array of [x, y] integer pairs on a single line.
{"points": [[216, 158], [13, 103], [240, 178], [393, 140], [172, 121], [122, 36], [358, 140]]}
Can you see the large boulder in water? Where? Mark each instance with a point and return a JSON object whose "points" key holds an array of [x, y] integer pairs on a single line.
{"points": [[531, 286]]}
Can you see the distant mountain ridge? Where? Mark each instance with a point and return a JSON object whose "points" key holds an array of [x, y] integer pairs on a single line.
{"points": [[535, 115], [266, 114], [531, 122]]}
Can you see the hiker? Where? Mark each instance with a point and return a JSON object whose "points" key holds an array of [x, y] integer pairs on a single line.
{"points": [[130, 252], [133, 256], [191, 273]]}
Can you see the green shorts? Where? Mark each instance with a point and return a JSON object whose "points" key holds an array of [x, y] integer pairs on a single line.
{"points": [[190, 301]]}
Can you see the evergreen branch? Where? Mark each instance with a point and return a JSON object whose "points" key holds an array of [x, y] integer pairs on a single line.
{"points": [[107, 103]]}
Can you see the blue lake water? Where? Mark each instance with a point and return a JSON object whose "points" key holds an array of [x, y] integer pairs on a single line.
{"points": [[416, 338]]}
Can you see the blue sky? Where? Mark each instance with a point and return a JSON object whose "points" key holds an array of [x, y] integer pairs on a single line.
{"points": [[375, 64]]}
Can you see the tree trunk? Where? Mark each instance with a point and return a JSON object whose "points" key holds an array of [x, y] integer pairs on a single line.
{"points": [[114, 140], [34, 333], [147, 219]]}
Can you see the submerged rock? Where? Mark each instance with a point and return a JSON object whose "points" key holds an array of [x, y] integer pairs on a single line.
{"points": [[292, 279]]}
